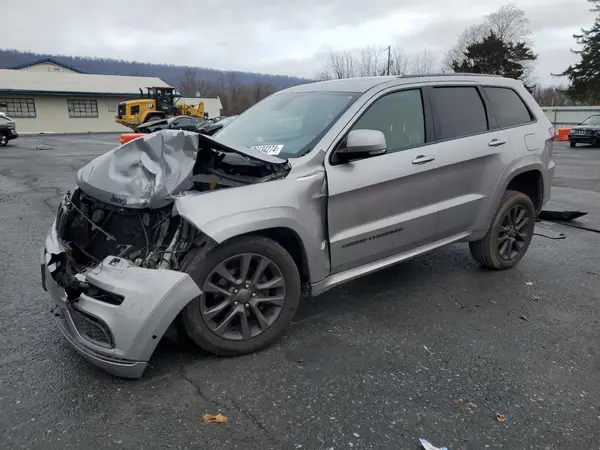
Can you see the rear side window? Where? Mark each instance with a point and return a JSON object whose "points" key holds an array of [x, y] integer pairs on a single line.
{"points": [[508, 107], [459, 111]]}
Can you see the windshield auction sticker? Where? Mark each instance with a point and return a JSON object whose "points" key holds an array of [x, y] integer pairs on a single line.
{"points": [[268, 149]]}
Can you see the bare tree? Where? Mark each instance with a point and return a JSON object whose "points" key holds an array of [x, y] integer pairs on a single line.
{"points": [[189, 85], [235, 96], [509, 23], [400, 62], [551, 96], [423, 62], [371, 62], [342, 64], [469, 36]]}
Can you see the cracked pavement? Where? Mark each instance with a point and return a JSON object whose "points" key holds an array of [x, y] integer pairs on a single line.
{"points": [[433, 348]]}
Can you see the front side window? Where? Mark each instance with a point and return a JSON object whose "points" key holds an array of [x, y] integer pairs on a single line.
{"points": [[82, 108], [18, 107], [459, 111], [592, 120], [399, 116], [288, 124], [508, 107]]}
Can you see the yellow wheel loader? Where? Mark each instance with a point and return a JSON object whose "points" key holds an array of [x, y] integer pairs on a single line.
{"points": [[157, 103]]}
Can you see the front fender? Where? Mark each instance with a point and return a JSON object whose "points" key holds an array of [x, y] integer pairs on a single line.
{"points": [[298, 204]]}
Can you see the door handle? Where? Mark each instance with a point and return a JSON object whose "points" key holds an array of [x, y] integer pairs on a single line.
{"points": [[496, 143], [422, 159]]}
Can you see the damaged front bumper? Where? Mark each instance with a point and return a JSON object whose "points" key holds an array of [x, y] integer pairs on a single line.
{"points": [[118, 330]]}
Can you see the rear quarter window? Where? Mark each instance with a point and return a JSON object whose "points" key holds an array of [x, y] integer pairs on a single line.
{"points": [[459, 111], [509, 108]]}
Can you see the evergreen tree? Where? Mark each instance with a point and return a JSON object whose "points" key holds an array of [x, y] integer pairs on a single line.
{"points": [[584, 76], [494, 56]]}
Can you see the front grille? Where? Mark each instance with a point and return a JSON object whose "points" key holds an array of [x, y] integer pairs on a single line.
{"points": [[135, 231], [91, 328]]}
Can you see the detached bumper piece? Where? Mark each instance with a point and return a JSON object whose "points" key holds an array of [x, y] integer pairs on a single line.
{"points": [[121, 311], [76, 330]]}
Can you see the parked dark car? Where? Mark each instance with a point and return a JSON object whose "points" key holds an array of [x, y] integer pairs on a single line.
{"points": [[587, 132], [8, 130], [211, 127], [188, 123]]}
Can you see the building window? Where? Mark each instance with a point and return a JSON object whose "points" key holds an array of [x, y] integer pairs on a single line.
{"points": [[82, 108], [18, 107]]}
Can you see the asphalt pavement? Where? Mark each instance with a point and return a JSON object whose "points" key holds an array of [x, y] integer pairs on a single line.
{"points": [[435, 347]]}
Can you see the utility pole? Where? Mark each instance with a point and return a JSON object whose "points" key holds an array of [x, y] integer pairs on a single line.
{"points": [[389, 49]]}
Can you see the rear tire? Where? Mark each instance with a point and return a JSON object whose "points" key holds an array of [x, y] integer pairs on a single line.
{"points": [[509, 235], [242, 308], [572, 144]]}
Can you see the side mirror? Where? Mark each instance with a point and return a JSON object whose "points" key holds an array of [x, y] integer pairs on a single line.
{"points": [[362, 144]]}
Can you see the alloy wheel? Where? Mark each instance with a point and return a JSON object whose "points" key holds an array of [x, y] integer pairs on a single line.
{"points": [[512, 232], [3, 139], [242, 296]]}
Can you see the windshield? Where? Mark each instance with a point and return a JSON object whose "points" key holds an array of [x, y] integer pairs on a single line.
{"points": [[592, 120], [288, 124], [226, 121]]}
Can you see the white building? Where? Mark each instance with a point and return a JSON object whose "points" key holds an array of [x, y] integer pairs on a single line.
{"points": [[48, 97], [212, 105]]}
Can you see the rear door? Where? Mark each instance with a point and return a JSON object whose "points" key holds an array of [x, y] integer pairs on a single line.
{"points": [[515, 118], [472, 153], [384, 205]]}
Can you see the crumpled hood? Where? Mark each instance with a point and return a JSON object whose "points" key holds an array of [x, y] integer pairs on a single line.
{"points": [[149, 171], [143, 173]]}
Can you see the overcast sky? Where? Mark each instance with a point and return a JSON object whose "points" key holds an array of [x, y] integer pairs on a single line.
{"points": [[275, 36]]}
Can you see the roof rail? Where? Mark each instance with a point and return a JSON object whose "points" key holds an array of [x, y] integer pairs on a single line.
{"points": [[459, 74]]}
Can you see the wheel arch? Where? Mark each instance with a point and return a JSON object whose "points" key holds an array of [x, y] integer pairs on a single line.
{"points": [[531, 183], [527, 176], [291, 241], [306, 246]]}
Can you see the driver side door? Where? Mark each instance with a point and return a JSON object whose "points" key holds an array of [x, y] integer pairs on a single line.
{"points": [[384, 205]]}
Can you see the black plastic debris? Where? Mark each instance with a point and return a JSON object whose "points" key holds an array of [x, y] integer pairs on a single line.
{"points": [[562, 216]]}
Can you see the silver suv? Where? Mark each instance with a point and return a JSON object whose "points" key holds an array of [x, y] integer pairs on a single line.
{"points": [[218, 238]]}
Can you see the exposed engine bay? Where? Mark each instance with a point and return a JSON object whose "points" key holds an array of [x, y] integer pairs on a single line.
{"points": [[123, 205]]}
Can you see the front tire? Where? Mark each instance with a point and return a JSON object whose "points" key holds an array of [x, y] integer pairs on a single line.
{"points": [[572, 144], [3, 139], [250, 292], [509, 235]]}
